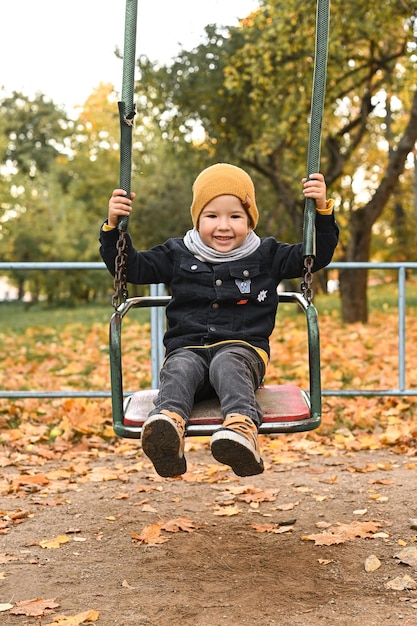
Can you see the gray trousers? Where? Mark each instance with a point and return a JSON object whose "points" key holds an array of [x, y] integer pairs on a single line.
{"points": [[231, 371]]}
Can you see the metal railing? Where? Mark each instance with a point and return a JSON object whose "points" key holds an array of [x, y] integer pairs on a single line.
{"points": [[401, 389], [157, 324]]}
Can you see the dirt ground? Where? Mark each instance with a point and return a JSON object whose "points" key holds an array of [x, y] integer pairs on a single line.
{"points": [[208, 549]]}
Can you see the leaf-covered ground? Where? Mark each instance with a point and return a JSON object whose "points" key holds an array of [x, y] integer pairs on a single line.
{"points": [[89, 533]]}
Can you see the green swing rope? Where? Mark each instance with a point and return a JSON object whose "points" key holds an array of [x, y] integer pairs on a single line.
{"points": [[127, 113], [314, 142]]}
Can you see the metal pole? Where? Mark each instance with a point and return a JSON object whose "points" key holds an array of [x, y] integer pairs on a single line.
{"points": [[316, 118], [126, 105]]}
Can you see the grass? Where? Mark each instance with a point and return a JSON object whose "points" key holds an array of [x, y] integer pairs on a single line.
{"points": [[381, 298], [17, 316]]}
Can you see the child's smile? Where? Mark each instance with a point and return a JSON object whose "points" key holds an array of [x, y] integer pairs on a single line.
{"points": [[224, 223]]}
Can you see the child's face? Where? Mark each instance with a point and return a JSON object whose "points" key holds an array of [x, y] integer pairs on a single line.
{"points": [[224, 223]]}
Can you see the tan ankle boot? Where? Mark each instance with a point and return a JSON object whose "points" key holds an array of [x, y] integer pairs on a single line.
{"points": [[163, 442], [236, 444]]}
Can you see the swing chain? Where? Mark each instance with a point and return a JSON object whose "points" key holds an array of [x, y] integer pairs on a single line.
{"points": [[120, 283], [306, 285]]}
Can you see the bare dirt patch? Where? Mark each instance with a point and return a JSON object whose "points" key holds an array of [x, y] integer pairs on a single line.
{"points": [[213, 566]]}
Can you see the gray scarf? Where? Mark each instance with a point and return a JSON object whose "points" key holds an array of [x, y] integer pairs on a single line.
{"points": [[201, 251]]}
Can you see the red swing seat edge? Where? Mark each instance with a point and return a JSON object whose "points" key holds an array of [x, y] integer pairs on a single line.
{"points": [[279, 403]]}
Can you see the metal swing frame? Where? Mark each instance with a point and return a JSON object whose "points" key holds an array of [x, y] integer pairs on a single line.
{"points": [[286, 408]]}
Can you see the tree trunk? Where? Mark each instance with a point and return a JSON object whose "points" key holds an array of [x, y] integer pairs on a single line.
{"points": [[353, 283], [354, 295]]}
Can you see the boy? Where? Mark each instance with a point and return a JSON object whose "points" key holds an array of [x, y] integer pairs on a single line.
{"points": [[223, 281]]}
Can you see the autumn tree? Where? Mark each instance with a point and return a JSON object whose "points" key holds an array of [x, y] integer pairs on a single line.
{"points": [[56, 186], [58, 176], [248, 91]]}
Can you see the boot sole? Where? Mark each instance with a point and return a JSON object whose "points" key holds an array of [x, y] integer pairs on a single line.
{"points": [[229, 448], [161, 443]]}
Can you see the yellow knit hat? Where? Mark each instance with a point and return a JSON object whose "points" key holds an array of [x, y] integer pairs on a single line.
{"points": [[223, 179]]}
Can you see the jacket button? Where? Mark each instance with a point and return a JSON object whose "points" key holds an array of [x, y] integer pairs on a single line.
{"points": [[212, 329], [194, 267], [246, 273], [219, 282], [215, 305]]}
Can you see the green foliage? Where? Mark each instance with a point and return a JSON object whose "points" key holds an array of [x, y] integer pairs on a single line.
{"points": [[249, 89], [33, 133], [243, 96]]}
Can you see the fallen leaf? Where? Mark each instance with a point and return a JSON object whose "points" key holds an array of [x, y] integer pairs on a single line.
{"points": [[408, 556], [34, 608], [285, 507], [147, 508], [343, 532], [401, 583], [150, 535], [330, 481], [257, 495], [276, 529], [16, 515], [227, 511], [323, 539], [180, 523], [52, 544], [126, 585], [5, 607], [37, 479], [74, 620]]}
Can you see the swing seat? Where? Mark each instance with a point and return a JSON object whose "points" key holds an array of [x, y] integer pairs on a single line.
{"points": [[286, 408], [283, 407]]}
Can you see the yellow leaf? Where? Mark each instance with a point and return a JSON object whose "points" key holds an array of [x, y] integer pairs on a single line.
{"points": [[74, 620], [227, 511], [54, 543]]}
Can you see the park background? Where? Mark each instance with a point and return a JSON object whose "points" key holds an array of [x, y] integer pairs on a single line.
{"points": [[242, 94], [88, 531]]}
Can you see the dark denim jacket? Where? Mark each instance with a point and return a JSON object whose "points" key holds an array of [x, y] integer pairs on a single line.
{"points": [[224, 301]]}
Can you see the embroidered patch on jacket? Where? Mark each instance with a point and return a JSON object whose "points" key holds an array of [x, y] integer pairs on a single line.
{"points": [[242, 302], [262, 295], [243, 285]]}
